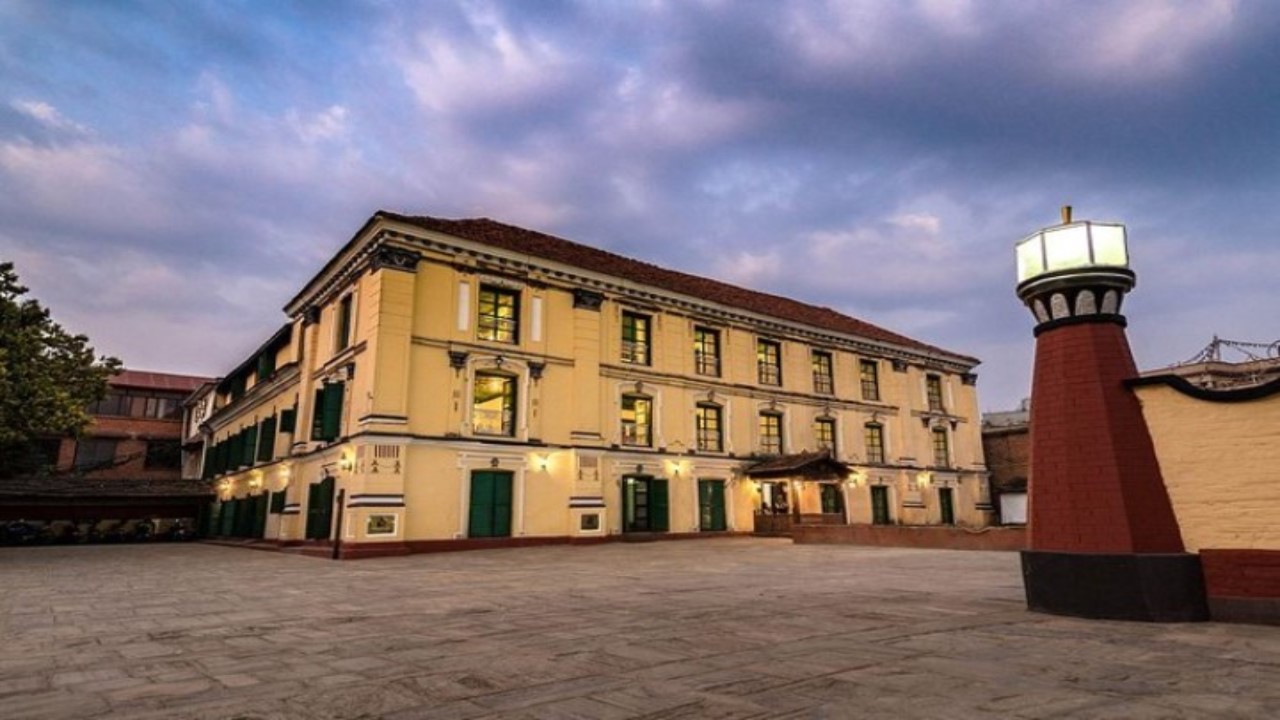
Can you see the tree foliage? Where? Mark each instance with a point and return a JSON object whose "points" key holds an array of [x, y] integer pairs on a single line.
{"points": [[48, 376]]}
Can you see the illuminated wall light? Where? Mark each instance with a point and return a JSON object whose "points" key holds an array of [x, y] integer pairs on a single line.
{"points": [[541, 463]]}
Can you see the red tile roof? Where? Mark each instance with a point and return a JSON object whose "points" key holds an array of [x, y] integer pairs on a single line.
{"points": [[145, 380], [516, 239]]}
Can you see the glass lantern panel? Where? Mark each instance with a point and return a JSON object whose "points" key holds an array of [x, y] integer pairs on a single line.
{"points": [[1066, 247], [1030, 259], [1109, 245]]}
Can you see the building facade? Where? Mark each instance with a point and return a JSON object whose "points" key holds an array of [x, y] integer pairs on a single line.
{"points": [[454, 383]]}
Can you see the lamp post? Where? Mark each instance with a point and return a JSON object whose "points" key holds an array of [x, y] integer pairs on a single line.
{"points": [[1103, 540]]}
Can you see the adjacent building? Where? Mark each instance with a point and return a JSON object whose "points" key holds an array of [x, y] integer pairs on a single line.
{"points": [[1006, 445], [126, 465], [463, 383]]}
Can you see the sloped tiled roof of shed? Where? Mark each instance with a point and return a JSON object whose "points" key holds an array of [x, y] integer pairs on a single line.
{"points": [[549, 247], [143, 379]]}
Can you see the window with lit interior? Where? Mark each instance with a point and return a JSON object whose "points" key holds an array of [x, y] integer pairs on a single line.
{"points": [[499, 316], [710, 428], [869, 374], [824, 431], [771, 433], [635, 338], [637, 417], [769, 362], [823, 374], [706, 351], [494, 405], [873, 436]]}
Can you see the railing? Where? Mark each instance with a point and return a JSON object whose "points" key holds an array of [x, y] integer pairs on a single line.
{"points": [[770, 373], [710, 441], [823, 384], [635, 352], [770, 524], [707, 364]]}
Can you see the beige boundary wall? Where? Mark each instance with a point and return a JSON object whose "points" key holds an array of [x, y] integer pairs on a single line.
{"points": [[1219, 453]]}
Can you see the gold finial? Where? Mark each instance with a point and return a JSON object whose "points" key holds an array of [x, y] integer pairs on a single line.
{"points": [[1066, 214]]}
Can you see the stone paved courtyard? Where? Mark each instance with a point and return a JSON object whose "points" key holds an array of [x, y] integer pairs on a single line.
{"points": [[730, 628]]}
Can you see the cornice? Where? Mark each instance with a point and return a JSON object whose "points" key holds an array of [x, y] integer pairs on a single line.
{"points": [[750, 392], [1183, 386], [571, 278], [285, 378], [357, 256]]}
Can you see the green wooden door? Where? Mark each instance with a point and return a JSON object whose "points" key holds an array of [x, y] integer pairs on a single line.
{"points": [[260, 516], [320, 510], [226, 518], [659, 513], [946, 505], [711, 505], [244, 516], [832, 499], [635, 504], [490, 514], [880, 505], [645, 504]]}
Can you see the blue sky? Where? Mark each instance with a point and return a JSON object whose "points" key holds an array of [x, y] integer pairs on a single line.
{"points": [[172, 172]]}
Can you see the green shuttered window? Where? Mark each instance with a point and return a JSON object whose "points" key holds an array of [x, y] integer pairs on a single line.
{"points": [[235, 450], [267, 440], [250, 447], [332, 416], [326, 417]]}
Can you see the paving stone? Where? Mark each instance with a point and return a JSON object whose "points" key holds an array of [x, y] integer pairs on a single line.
{"points": [[85, 676], [158, 689], [731, 628], [236, 680], [456, 710], [29, 683], [58, 705]]}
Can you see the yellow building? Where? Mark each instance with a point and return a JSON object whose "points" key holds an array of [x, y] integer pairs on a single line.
{"points": [[459, 383]]}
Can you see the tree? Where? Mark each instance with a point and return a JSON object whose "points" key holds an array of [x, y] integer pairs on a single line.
{"points": [[48, 377]]}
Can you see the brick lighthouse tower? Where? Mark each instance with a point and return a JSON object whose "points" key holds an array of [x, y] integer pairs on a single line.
{"points": [[1104, 542]]}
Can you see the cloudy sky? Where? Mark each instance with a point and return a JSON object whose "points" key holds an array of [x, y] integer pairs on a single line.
{"points": [[172, 172]]}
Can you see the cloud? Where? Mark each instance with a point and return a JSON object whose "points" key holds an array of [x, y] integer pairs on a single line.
{"points": [[328, 124], [486, 67], [48, 115], [646, 113], [880, 158], [1141, 42]]}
